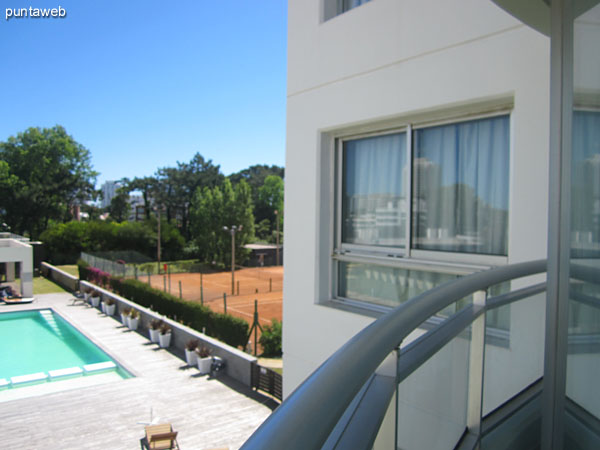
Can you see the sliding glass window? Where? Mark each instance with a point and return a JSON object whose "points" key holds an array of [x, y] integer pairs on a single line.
{"points": [[412, 194], [460, 187]]}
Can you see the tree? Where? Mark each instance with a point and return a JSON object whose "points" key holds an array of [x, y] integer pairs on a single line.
{"points": [[255, 176], [177, 185], [65, 241], [147, 186], [211, 210], [270, 199], [119, 206], [45, 173]]}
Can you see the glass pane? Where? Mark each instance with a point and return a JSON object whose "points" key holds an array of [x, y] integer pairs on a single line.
{"points": [[432, 401], [461, 174], [583, 358], [514, 358], [374, 202], [387, 286]]}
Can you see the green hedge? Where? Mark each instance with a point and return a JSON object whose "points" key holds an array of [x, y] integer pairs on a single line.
{"points": [[226, 328]]}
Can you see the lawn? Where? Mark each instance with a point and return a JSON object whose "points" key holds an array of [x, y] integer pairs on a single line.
{"points": [[42, 285], [70, 269]]}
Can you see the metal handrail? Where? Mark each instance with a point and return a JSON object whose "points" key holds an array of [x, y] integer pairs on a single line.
{"points": [[305, 419]]}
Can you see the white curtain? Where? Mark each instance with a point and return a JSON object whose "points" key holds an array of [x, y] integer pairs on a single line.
{"points": [[373, 191], [461, 175]]}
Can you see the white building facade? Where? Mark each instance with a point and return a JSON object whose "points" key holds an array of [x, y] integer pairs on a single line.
{"points": [[417, 151]]}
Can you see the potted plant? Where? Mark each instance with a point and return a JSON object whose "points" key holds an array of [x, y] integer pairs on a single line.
{"points": [[95, 297], [124, 315], [133, 319], [204, 359], [164, 338], [154, 329], [109, 306], [87, 292], [191, 356]]}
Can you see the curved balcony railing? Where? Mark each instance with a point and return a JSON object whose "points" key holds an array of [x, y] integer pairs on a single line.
{"points": [[307, 418]]}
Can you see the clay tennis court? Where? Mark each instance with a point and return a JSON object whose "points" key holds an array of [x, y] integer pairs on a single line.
{"points": [[264, 284]]}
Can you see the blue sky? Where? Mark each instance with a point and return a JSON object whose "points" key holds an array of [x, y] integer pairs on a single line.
{"points": [[146, 83]]}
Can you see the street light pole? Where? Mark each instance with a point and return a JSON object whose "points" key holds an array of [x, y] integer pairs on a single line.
{"points": [[158, 240], [277, 236], [233, 230]]}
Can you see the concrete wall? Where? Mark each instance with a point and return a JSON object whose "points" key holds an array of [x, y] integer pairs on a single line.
{"points": [[238, 363], [60, 277], [388, 63]]}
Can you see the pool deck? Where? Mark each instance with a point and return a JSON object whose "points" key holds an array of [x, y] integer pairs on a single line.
{"points": [[207, 413]]}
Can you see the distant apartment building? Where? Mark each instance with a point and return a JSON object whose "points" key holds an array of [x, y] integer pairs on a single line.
{"points": [[109, 190], [136, 202]]}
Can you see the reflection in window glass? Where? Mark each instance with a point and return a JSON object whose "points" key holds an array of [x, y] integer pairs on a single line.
{"points": [[385, 286], [585, 190], [461, 175], [347, 5], [374, 191], [584, 308]]}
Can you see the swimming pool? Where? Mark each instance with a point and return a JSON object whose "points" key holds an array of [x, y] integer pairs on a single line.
{"points": [[40, 346]]}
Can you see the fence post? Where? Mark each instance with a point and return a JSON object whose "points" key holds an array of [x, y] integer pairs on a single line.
{"points": [[165, 283], [169, 276], [225, 302], [180, 289], [201, 291], [256, 328], [135, 271], [149, 284], [238, 287], [270, 284]]}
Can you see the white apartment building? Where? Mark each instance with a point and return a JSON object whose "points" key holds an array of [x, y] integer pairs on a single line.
{"points": [[109, 190], [418, 139]]}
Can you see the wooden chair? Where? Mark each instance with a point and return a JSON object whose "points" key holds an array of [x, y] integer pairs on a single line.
{"points": [[160, 437]]}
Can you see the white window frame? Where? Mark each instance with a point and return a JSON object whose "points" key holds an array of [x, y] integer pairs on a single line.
{"points": [[343, 248], [457, 263]]}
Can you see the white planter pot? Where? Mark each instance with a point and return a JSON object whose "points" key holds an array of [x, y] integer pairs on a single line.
{"points": [[95, 301], [204, 364], [191, 357], [124, 318], [154, 334], [164, 340], [132, 323], [86, 296], [103, 307], [109, 309]]}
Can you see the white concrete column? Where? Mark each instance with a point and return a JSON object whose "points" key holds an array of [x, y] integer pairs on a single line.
{"points": [[10, 271]]}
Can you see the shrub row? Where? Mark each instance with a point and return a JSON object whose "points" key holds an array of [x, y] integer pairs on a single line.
{"points": [[226, 328], [270, 339]]}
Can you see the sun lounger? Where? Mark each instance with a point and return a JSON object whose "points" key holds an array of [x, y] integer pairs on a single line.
{"points": [[160, 437], [16, 300]]}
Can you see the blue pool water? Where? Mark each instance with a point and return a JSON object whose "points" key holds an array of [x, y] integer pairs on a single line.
{"points": [[41, 342]]}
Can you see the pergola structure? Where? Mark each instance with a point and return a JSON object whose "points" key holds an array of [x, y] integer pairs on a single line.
{"points": [[15, 250]]}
